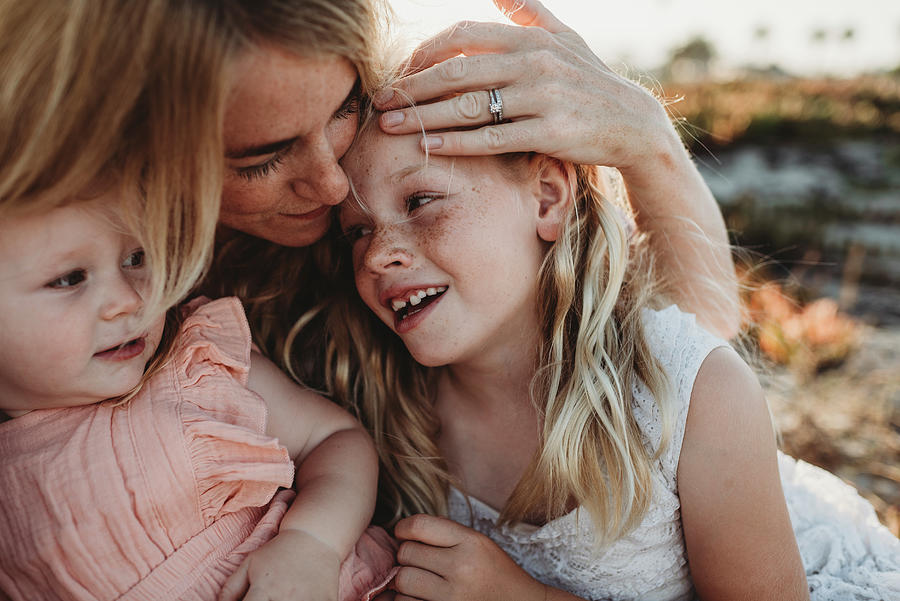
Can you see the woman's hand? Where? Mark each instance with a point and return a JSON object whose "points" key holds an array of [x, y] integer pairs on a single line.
{"points": [[293, 565], [558, 97], [444, 561]]}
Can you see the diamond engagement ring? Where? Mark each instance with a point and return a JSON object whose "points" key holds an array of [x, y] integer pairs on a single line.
{"points": [[496, 106]]}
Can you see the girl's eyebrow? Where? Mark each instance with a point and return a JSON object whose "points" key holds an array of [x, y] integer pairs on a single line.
{"points": [[401, 174], [260, 149]]}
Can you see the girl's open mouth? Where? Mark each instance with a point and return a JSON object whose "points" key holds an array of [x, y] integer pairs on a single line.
{"points": [[123, 352]]}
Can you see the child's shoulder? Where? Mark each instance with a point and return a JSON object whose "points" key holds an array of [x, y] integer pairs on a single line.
{"points": [[679, 343]]}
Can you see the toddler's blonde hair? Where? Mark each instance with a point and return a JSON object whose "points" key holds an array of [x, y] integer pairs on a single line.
{"points": [[128, 93]]}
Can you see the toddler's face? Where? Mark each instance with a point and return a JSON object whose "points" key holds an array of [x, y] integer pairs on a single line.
{"points": [[445, 253], [70, 296]]}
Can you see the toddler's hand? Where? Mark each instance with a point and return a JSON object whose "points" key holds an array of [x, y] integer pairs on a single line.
{"points": [[443, 561], [293, 565]]}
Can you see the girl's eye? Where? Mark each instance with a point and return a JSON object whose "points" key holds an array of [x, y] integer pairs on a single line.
{"points": [[419, 199], [134, 259], [73, 278], [262, 170], [355, 232]]}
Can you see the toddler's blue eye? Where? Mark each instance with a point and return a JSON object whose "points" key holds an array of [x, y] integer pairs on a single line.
{"points": [[135, 259], [73, 278]]}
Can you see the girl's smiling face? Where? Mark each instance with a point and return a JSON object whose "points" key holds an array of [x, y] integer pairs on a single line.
{"points": [[445, 251]]}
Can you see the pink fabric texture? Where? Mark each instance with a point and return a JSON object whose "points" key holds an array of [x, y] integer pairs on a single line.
{"points": [[160, 498]]}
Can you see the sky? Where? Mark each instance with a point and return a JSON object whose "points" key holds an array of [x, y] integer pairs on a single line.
{"points": [[641, 33]]}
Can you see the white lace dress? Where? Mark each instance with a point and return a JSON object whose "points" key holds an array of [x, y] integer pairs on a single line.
{"points": [[848, 555]]}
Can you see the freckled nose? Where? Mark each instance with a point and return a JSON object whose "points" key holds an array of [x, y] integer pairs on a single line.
{"points": [[387, 250], [321, 177]]}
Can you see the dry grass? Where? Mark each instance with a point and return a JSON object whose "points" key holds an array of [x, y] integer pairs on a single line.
{"points": [[834, 388]]}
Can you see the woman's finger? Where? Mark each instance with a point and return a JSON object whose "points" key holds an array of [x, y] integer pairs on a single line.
{"points": [[419, 584], [531, 13], [493, 139], [474, 37], [466, 110], [458, 74]]}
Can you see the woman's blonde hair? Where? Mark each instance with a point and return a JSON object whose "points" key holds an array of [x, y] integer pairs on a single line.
{"points": [[282, 286], [118, 92], [593, 285]]}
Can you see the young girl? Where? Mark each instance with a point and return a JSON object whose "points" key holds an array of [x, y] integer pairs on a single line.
{"points": [[521, 379], [164, 490]]}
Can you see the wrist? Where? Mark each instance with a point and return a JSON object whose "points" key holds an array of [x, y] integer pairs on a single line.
{"points": [[306, 537]]}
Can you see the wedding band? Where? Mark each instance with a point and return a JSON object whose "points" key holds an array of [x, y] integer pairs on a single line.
{"points": [[496, 106]]}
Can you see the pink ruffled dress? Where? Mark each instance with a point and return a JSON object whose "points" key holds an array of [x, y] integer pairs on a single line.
{"points": [[160, 498]]}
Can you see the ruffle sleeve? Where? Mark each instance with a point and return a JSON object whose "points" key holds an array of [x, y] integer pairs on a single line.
{"points": [[235, 463]]}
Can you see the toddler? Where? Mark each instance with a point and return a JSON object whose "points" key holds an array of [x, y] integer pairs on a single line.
{"points": [[166, 484]]}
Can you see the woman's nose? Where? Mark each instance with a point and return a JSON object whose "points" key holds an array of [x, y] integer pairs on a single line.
{"points": [[320, 177]]}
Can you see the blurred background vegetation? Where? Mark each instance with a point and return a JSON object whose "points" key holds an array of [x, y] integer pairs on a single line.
{"points": [[807, 172]]}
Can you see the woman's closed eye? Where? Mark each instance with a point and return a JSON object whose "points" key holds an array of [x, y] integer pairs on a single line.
{"points": [[252, 172], [69, 280]]}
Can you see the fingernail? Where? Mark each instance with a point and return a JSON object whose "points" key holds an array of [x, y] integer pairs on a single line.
{"points": [[383, 95], [392, 118], [432, 142]]}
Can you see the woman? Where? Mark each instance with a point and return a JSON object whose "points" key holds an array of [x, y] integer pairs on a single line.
{"points": [[297, 72]]}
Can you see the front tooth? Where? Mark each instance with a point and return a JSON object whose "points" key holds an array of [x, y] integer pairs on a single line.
{"points": [[398, 304], [414, 300], [431, 292], [421, 294], [441, 288]]}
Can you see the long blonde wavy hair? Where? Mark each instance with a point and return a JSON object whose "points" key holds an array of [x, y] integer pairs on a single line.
{"points": [[281, 286], [593, 285]]}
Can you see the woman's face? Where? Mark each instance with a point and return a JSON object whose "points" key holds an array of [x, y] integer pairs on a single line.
{"points": [[287, 122]]}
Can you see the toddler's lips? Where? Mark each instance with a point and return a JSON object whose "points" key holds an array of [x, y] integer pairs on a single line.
{"points": [[123, 352]]}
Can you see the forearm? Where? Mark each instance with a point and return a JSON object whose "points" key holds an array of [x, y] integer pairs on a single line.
{"points": [[336, 488], [687, 235]]}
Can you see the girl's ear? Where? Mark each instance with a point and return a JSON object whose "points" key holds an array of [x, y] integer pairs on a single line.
{"points": [[555, 197]]}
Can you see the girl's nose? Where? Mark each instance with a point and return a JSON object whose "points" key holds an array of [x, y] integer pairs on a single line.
{"points": [[122, 299], [387, 250]]}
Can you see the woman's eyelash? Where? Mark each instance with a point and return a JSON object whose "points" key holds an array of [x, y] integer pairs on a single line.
{"points": [[349, 108], [262, 170], [351, 104], [73, 278]]}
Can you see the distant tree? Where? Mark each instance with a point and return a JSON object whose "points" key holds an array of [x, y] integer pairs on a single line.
{"points": [[761, 33], [691, 61], [819, 35], [697, 49], [848, 34]]}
